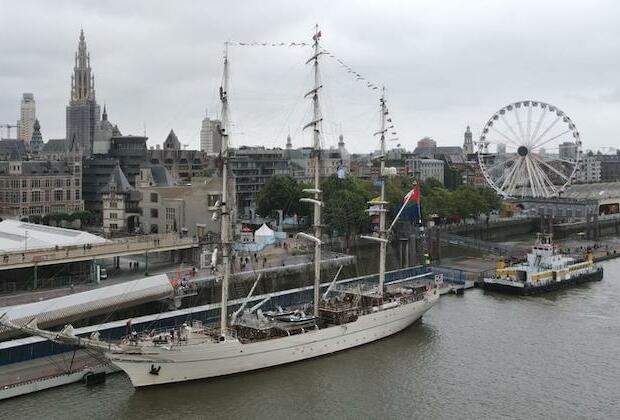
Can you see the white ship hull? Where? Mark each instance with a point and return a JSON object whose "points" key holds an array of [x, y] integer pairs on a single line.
{"points": [[211, 359]]}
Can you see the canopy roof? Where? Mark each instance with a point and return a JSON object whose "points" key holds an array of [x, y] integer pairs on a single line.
{"points": [[20, 236]]}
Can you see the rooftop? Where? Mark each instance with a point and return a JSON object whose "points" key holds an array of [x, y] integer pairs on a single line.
{"points": [[596, 191], [16, 236], [33, 167]]}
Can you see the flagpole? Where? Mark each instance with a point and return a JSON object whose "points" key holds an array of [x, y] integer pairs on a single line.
{"points": [[405, 202], [419, 214], [398, 214]]}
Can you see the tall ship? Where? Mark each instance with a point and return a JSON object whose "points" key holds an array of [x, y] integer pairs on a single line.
{"points": [[341, 316], [544, 270]]}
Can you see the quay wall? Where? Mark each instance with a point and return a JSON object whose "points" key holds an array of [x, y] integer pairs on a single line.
{"points": [[496, 230]]}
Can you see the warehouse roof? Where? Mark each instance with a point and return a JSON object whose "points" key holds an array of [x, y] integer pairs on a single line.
{"points": [[596, 191], [19, 236], [103, 300]]}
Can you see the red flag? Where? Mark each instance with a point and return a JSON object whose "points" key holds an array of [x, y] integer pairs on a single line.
{"points": [[413, 196]]}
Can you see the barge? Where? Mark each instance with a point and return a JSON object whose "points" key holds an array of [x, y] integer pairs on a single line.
{"points": [[544, 270]]}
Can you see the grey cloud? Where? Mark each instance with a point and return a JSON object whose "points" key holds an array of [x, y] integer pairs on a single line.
{"points": [[445, 64]]}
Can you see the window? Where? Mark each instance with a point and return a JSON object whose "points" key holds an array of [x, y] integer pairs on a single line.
{"points": [[170, 214], [113, 226], [47, 195], [154, 198], [58, 183], [113, 204], [76, 181], [68, 182], [24, 183], [35, 196], [154, 213], [68, 195], [113, 216], [57, 195], [24, 196], [212, 199], [35, 183], [77, 194]]}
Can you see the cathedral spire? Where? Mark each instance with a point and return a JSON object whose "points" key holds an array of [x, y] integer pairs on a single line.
{"points": [[82, 80]]}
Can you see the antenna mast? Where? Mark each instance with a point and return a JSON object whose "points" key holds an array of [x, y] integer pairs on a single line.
{"points": [[225, 215], [316, 156]]}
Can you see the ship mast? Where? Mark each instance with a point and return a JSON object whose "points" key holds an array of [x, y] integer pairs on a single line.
{"points": [[382, 238], [382, 232], [316, 157], [224, 212]]}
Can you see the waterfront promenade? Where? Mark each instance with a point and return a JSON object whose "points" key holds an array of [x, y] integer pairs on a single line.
{"points": [[113, 248]]}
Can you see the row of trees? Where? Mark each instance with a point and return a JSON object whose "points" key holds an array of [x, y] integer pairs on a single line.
{"points": [[346, 200], [464, 201], [84, 217]]}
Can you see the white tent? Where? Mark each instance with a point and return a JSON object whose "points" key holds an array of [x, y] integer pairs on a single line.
{"points": [[264, 235]]}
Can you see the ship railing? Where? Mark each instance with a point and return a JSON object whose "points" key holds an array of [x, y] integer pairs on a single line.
{"points": [[170, 335]]}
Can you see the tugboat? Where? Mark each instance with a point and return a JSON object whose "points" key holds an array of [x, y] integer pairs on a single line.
{"points": [[545, 270]]}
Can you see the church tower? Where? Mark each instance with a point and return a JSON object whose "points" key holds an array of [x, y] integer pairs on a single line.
{"points": [[341, 147], [468, 145], [36, 142], [83, 113]]}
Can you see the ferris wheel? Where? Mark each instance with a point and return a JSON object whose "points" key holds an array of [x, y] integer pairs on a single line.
{"points": [[529, 149]]}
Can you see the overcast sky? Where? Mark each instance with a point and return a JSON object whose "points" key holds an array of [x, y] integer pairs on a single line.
{"points": [[445, 64]]}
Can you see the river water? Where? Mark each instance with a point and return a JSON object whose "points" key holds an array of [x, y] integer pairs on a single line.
{"points": [[477, 356]]}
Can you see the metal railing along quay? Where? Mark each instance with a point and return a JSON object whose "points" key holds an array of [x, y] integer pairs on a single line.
{"points": [[472, 243], [117, 247]]}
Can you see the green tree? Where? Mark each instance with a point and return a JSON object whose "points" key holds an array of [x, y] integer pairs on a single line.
{"points": [[467, 202], [437, 201], [345, 214], [345, 205], [59, 217], [83, 216], [492, 201], [333, 185], [280, 193]]}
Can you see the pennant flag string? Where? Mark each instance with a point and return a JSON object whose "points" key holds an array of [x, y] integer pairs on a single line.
{"points": [[369, 85], [349, 69], [267, 44]]}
